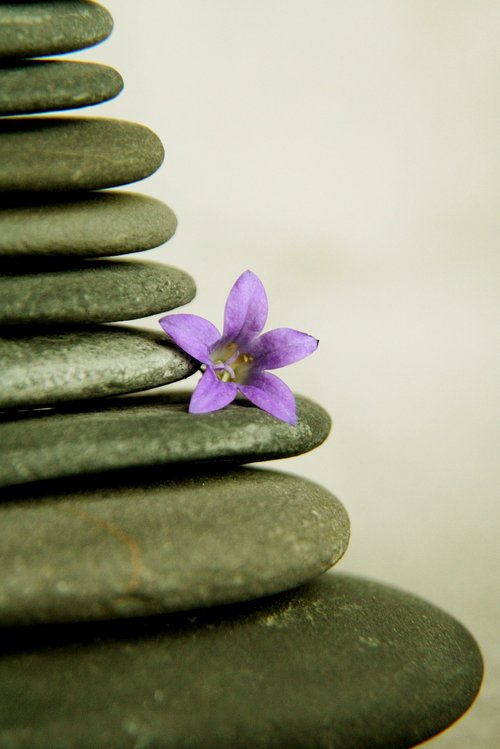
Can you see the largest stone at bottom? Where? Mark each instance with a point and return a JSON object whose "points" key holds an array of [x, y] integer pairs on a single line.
{"points": [[342, 662]]}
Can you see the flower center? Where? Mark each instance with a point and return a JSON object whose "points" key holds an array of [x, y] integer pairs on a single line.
{"points": [[230, 364]]}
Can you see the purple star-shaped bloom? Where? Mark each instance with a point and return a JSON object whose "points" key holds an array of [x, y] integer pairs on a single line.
{"points": [[237, 361]]}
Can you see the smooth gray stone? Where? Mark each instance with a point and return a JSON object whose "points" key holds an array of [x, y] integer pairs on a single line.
{"points": [[43, 86], [35, 29], [72, 153], [90, 225], [340, 663], [148, 430], [51, 366], [90, 291], [139, 549]]}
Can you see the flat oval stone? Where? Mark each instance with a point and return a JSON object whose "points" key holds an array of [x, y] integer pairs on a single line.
{"points": [[35, 29], [52, 366], [91, 225], [341, 662], [91, 291], [148, 430], [43, 86], [148, 548], [64, 153]]}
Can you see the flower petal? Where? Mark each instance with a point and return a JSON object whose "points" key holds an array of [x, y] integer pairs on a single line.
{"points": [[282, 346], [245, 313], [271, 394], [211, 394], [192, 334]]}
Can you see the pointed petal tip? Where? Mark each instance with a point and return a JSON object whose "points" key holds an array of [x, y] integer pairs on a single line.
{"points": [[249, 273]]}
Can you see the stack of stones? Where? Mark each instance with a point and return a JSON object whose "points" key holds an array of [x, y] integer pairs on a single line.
{"points": [[153, 593]]}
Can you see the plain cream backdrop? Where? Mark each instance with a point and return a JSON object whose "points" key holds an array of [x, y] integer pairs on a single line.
{"points": [[347, 151]]}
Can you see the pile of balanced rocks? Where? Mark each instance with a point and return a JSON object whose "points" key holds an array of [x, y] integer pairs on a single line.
{"points": [[154, 593]]}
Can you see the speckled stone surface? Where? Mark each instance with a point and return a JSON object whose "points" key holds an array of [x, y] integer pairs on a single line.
{"points": [[90, 291], [139, 549], [51, 366], [341, 662], [88, 225], [34, 29], [72, 153], [147, 430], [43, 86]]}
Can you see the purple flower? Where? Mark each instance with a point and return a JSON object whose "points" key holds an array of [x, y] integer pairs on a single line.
{"points": [[237, 360]]}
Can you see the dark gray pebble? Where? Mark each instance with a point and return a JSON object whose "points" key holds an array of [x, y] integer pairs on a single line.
{"points": [[51, 366], [90, 291], [40, 154], [341, 662], [32, 86], [91, 224], [35, 29], [168, 545], [148, 430]]}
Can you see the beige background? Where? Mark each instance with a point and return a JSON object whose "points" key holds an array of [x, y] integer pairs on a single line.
{"points": [[348, 153]]}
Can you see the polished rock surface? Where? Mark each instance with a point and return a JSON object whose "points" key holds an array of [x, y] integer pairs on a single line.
{"points": [[86, 225], [49, 366], [154, 547], [34, 29], [341, 662], [74, 153], [29, 86], [147, 430], [89, 291]]}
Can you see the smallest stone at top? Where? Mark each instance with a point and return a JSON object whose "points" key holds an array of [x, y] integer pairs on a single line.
{"points": [[36, 29]]}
